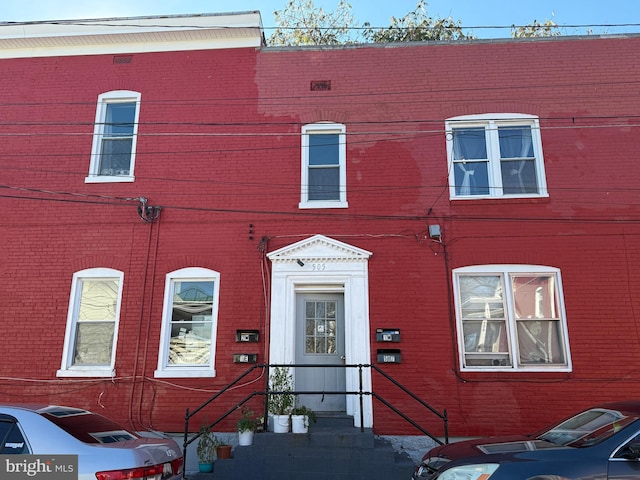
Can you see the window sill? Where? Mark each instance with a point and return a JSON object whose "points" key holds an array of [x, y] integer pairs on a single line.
{"points": [[323, 204], [185, 373], [559, 369], [109, 179], [90, 372], [499, 200]]}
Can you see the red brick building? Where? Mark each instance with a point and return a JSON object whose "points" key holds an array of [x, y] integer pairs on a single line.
{"points": [[172, 188]]}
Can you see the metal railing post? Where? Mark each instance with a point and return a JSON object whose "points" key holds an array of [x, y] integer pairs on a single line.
{"points": [[185, 443], [265, 416], [361, 399], [446, 426]]}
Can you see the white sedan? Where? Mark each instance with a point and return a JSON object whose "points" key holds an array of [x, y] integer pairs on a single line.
{"points": [[59, 440]]}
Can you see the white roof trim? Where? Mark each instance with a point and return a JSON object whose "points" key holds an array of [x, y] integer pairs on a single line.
{"points": [[318, 248], [130, 35]]}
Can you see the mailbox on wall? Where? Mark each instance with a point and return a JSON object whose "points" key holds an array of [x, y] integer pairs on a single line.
{"points": [[387, 335], [245, 358], [247, 335], [389, 356]]}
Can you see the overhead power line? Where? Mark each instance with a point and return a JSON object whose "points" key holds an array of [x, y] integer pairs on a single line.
{"points": [[105, 22]]}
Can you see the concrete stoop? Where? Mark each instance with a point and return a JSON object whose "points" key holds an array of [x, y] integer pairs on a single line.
{"points": [[333, 449]]}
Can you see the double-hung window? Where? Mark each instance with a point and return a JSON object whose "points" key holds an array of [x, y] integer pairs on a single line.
{"points": [[189, 324], [494, 156], [114, 137], [92, 323], [511, 317], [324, 174]]}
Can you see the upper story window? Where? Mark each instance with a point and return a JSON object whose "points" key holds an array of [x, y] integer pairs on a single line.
{"points": [[189, 324], [511, 317], [92, 323], [114, 137], [324, 166], [495, 155]]}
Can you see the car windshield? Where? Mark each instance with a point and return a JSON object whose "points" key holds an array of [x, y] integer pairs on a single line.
{"points": [[86, 426], [587, 428]]}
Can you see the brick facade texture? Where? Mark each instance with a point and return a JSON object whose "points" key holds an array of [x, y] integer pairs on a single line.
{"points": [[219, 149]]}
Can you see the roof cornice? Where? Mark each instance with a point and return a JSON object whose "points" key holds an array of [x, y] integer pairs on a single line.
{"points": [[130, 35]]}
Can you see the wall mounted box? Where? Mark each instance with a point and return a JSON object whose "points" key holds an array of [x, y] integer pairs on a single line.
{"points": [[247, 335], [389, 356], [245, 358], [387, 335]]}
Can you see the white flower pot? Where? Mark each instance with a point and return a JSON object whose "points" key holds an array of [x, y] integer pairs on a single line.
{"points": [[281, 423], [299, 423], [245, 438]]}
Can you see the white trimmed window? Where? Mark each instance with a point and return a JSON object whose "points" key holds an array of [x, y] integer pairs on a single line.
{"points": [[511, 317], [114, 137], [495, 155], [324, 166], [189, 323], [92, 324]]}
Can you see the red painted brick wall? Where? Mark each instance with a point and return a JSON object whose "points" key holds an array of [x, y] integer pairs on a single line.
{"points": [[219, 149]]}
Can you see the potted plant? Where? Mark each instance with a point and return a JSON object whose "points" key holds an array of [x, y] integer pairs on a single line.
{"points": [[246, 427], [280, 404], [300, 416], [223, 451], [206, 449]]}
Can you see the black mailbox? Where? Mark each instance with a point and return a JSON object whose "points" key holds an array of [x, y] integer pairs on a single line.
{"points": [[387, 335], [245, 358], [389, 356], [247, 335]]}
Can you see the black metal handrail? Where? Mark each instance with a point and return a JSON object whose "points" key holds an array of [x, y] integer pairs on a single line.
{"points": [[361, 393]]}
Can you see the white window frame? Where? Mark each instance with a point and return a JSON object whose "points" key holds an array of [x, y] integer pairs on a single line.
{"points": [[165, 370], [67, 368], [491, 122], [104, 100], [506, 271], [319, 129]]}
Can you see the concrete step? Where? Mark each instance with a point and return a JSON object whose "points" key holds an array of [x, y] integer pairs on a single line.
{"points": [[332, 449]]}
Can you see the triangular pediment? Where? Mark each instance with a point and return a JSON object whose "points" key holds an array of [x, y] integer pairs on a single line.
{"points": [[318, 248]]}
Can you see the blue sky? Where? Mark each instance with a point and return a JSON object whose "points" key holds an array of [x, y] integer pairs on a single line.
{"points": [[472, 13]]}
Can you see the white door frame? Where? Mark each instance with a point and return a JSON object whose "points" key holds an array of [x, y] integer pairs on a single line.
{"points": [[322, 264]]}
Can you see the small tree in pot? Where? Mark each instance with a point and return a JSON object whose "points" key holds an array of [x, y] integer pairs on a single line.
{"points": [[280, 403], [206, 449]]}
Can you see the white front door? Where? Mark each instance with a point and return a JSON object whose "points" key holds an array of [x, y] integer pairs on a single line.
{"points": [[320, 341]]}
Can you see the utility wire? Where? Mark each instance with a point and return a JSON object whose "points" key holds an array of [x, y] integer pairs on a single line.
{"points": [[107, 22]]}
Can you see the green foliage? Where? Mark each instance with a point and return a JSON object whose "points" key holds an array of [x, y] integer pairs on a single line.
{"points": [[306, 411], [280, 380], [414, 27], [548, 28], [247, 422], [302, 23], [207, 444]]}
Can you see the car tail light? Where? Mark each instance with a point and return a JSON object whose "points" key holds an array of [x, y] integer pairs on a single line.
{"points": [[177, 465], [155, 472]]}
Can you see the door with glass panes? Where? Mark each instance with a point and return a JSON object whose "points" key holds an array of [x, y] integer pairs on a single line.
{"points": [[320, 343]]}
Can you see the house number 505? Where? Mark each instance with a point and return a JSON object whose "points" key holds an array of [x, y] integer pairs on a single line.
{"points": [[318, 267]]}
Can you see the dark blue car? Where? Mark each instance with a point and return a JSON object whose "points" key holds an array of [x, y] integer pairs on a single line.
{"points": [[601, 443]]}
